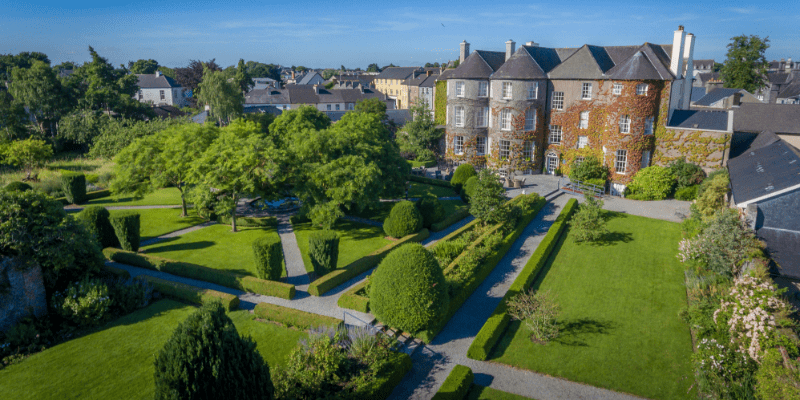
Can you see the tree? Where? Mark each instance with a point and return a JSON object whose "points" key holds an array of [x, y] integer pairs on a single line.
{"points": [[421, 130], [711, 194], [166, 71], [372, 106], [38, 89], [143, 66], [109, 89], [222, 95], [487, 201], [343, 68], [22, 60], [82, 126], [28, 154], [328, 73], [301, 69], [206, 358], [191, 76], [12, 117], [590, 169], [261, 70], [242, 77], [745, 66], [588, 224], [539, 311], [373, 68]]}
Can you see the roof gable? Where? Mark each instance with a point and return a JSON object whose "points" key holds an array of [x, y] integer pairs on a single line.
{"points": [[644, 63], [521, 65], [151, 81], [716, 95], [473, 67], [586, 63]]}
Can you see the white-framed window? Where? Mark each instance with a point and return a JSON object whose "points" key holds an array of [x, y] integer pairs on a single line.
{"points": [[459, 89], [337, 107], [528, 151], [530, 119], [458, 145], [584, 124], [505, 149], [483, 89], [616, 89], [483, 116], [141, 94], [586, 91], [625, 124], [480, 145], [583, 141], [552, 163], [621, 163], [645, 158], [533, 90], [329, 107], [459, 116], [507, 90], [648, 125], [641, 89], [505, 119], [163, 96], [555, 134], [558, 101]]}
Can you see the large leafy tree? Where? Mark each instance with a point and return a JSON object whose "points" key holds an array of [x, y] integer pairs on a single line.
{"points": [[22, 60], [12, 117], [38, 89], [373, 68], [746, 66], [108, 89], [143, 66], [487, 201], [242, 77], [261, 70], [421, 130], [223, 95], [191, 76], [28, 154]]}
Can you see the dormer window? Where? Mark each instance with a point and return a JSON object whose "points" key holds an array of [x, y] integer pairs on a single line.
{"points": [[459, 89], [586, 91], [641, 89], [483, 89], [507, 91]]}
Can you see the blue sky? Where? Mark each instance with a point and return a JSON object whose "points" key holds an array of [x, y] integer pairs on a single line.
{"points": [[356, 33]]}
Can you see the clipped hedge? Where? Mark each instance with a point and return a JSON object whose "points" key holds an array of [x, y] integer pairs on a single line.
{"points": [[457, 384], [97, 194], [450, 220], [354, 301], [249, 222], [268, 254], [431, 209], [469, 188], [461, 175], [323, 250], [201, 273], [495, 326], [388, 378], [430, 181], [74, 186], [192, 294], [363, 264], [126, 226], [403, 220], [17, 187], [291, 317], [97, 220], [117, 272]]}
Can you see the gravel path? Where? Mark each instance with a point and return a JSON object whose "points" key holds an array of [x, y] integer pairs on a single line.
{"points": [[176, 233], [295, 268]]}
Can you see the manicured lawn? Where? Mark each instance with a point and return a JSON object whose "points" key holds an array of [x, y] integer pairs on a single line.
{"points": [[355, 240], [380, 214], [214, 246], [619, 325], [451, 206], [478, 392], [116, 362], [420, 189], [160, 197], [159, 221]]}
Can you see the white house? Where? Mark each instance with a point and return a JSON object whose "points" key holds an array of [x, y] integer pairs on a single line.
{"points": [[160, 89]]}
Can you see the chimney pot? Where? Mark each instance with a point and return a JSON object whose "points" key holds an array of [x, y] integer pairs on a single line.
{"points": [[680, 27], [531, 44], [158, 73]]}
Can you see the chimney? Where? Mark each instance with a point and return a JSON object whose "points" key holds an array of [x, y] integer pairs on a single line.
{"points": [[316, 88], [208, 107], [788, 65], [688, 57], [531, 44], [464, 51], [428, 73], [737, 99], [676, 62], [292, 74], [510, 44], [158, 73]]}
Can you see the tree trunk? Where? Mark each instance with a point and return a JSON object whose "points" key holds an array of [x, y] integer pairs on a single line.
{"points": [[233, 214], [184, 213]]}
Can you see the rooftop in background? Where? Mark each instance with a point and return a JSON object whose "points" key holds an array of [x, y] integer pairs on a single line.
{"points": [[767, 167], [716, 95], [401, 73], [699, 119], [156, 81], [778, 118]]}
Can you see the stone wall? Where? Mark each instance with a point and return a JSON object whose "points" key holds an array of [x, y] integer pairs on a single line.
{"points": [[708, 149], [22, 293]]}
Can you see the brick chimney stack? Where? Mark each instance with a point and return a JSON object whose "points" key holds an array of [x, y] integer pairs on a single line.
{"points": [[464, 51]]}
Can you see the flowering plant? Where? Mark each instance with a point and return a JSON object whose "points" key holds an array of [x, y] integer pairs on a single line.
{"points": [[85, 303]]}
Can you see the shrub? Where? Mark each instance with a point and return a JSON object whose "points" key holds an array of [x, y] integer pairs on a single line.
{"points": [[129, 294], [469, 188], [597, 182], [588, 223], [74, 186], [126, 226], [589, 168], [96, 219], [460, 176], [403, 220], [711, 194], [651, 183], [206, 358], [425, 155], [778, 378], [323, 250], [84, 303], [269, 257], [487, 201], [686, 174], [408, 289], [431, 210], [723, 245], [450, 220], [687, 193], [192, 294], [539, 311], [17, 187], [291, 317], [456, 385]]}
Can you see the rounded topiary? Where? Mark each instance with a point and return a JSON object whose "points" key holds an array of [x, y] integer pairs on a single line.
{"points": [[269, 257], [17, 187], [97, 220], [74, 186], [206, 358], [404, 219], [463, 172], [126, 226], [431, 209], [469, 188], [408, 291], [323, 250]]}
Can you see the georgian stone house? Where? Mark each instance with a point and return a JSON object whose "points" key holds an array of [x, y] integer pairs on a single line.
{"points": [[537, 109]]}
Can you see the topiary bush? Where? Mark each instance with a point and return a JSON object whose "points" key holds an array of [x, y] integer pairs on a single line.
{"points": [[686, 174], [206, 358], [323, 250], [404, 219], [269, 257], [408, 290], [74, 186], [17, 187], [126, 226], [468, 188], [460, 176], [96, 219], [431, 209], [651, 183], [687, 193]]}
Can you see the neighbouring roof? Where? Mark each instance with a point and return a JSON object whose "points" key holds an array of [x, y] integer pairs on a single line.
{"points": [[200, 118], [716, 95], [782, 247], [708, 77], [767, 167], [698, 93], [308, 77], [793, 90], [778, 77], [699, 119], [401, 73], [445, 74], [151, 81], [778, 118], [168, 111], [263, 109], [421, 79], [703, 64], [268, 95], [305, 94]]}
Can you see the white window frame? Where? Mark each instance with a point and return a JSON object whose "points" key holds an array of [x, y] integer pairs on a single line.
{"points": [[483, 89], [586, 91], [625, 124], [558, 101], [555, 136], [459, 88], [641, 89], [459, 117], [584, 120], [528, 151], [621, 162], [505, 119], [645, 159], [480, 145], [616, 89], [530, 119], [458, 145], [508, 91], [551, 163], [505, 148], [583, 141], [483, 117], [648, 125], [329, 107], [162, 95], [338, 106], [533, 90]]}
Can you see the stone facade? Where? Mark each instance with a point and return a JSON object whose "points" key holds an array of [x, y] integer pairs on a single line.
{"points": [[524, 142], [22, 293], [467, 131], [706, 148]]}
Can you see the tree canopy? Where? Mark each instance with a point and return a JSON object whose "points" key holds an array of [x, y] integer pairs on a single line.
{"points": [[143, 66], [38, 89], [421, 130], [224, 96], [746, 66]]}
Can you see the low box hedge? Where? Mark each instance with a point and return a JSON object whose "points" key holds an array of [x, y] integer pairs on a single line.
{"points": [[430, 181], [457, 384], [249, 222], [354, 301], [450, 220], [495, 326], [199, 272], [363, 264], [192, 294], [292, 317], [117, 272], [388, 378]]}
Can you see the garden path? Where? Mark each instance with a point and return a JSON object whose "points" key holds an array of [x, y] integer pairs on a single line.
{"points": [[295, 268]]}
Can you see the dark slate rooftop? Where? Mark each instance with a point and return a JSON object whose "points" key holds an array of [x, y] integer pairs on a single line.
{"points": [[151, 81], [768, 166], [708, 76], [778, 77], [790, 91], [267, 96], [703, 64], [778, 118], [698, 93], [168, 112], [716, 95], [782, 247], [308, 77], [200, 118], [521, 65], [445, 74], [263, 109], [699, 119], [401, 73], [586, 63], [647, 62], [479, 65]]}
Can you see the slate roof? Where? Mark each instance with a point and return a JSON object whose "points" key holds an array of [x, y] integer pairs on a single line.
{"points": [[421, 79], [151, 81], [200, 118], [716, 95], [699, 119], [267, 96], [703, 64], [698, 93], [168, 112], [782, 247], [778, 118], [708, 76], [770, 165], [589, 62], [479, 65], [308, 77], [305, 94], [263, 109], [792, 90], [522, 65], [647, 62], [778, 77], [401, 73], [445, 74]]}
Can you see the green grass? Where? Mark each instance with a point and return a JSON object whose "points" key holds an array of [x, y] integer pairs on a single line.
{"points": [[160, 221], [160, 197], [379, 214], [451, 206], [420, 189], [355, 240], [619, 325], [116, 361], [215, 247], [478, 392]]}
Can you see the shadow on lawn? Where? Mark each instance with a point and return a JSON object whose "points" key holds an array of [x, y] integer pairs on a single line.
{"points": [[203, 244], [575, 332], [612, 238]]}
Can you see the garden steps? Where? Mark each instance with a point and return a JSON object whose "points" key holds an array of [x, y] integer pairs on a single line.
{"points": [[408, 343]]}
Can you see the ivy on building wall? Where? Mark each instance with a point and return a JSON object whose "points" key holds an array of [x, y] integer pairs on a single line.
{"points": [[440, 103], [703, 148]]}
